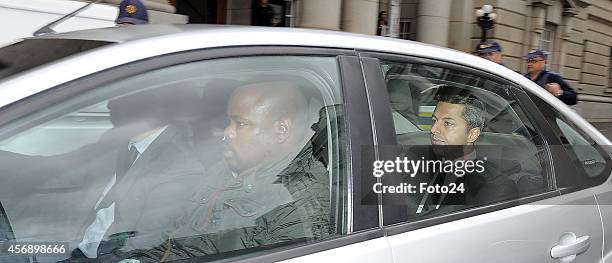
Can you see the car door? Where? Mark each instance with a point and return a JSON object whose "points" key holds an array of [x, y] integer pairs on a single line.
{"points": [[538, 223], [588, 150], [61, 152]]}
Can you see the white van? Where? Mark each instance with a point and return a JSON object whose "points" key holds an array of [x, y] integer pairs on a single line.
{"points": [[21, 18]]}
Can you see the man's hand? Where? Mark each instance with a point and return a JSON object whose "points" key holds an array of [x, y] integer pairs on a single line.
{"points": [[554, 89]]}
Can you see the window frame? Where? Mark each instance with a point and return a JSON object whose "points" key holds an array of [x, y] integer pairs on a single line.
{"points": [[568, 182], [359, 228], [550, 31], [407, 29], [399, 225]]}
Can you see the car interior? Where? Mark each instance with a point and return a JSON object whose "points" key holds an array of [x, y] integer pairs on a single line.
{"points": [[197, 104], [504, 136]]}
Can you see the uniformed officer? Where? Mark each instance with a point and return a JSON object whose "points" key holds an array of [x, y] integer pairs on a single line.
{"points": [[491, 51], [132, 12], [552, 82]]}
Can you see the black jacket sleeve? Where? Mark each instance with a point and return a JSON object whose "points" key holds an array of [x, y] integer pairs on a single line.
{"points": [[569, 95]]}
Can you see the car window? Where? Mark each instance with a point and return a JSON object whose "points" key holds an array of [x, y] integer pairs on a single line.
{"points": [[438, 109], [31, 53], [592, 161], [587, 156], [209, 160]]}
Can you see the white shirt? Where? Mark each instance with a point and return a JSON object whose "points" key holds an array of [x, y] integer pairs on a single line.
{"points": [[106, 216]]}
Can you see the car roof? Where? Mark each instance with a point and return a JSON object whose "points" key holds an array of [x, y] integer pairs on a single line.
{"points": [[122, 34], [160, 39], [133, 43]]}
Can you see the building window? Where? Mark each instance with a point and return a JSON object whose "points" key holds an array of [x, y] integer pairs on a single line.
{"points": [[547, 39], [406, 29]]}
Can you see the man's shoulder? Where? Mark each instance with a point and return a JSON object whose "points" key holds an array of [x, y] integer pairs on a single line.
{"points": [[551, 74]]}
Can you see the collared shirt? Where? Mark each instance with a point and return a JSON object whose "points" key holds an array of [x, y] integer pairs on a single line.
{"points": [[143, 144], [105, 216]]}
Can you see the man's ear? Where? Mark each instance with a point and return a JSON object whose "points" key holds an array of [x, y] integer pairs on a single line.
{"points": [[473, 134], [282, 129]]}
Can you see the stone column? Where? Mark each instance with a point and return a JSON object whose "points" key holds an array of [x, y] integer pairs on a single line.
{"points": [[323, 14], [395, 9], [538, 22], [360, 16], [460, 28], [433, 21]]}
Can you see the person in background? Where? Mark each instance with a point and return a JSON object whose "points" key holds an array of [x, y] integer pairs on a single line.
{"points": [[552, 82], [132, 12], [263, 14], [491, 51], [381, 24]]}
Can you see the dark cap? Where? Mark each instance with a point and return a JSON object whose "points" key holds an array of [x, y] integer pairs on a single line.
{"points": [[132, 12], [536, 53], [486, 47]]}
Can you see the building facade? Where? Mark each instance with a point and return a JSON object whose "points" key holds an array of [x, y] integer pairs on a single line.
{"points": [[577, 33]]}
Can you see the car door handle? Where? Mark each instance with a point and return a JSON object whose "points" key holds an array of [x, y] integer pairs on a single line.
{"points": [[569, 246]]}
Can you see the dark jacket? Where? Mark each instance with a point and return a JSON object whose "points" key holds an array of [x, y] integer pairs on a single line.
{"points": [[151, 194], [262, 15], [545, 77], [491, 185], [269, 208]]}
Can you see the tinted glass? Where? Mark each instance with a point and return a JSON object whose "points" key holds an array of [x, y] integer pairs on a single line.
{"points": [[439, 109], [591, 159], [209, 160], [31, 53]]}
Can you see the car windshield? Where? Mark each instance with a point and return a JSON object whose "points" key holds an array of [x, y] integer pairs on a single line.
{"points": [[31, 53]]}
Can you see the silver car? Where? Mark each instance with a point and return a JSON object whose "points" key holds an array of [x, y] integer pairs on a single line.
{"points": [[191, 100]]}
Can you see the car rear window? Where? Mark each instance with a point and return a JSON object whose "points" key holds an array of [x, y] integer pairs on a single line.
{"points": [[31, 53]]}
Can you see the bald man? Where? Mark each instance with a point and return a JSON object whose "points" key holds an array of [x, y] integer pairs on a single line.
{"points": [[269, 189], [267, 121]]}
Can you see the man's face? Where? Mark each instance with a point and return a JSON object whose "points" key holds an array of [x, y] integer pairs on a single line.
{"points": [[493, 56], [250, 137], [535, 65], [449, 127]]}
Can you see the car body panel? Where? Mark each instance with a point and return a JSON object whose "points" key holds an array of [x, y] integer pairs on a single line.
{"points": [[28, 16], [603, 196], [523, 233], [375, 250]]}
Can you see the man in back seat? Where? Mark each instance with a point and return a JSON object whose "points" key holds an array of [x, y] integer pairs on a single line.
{"points": [[457, 122], [269, 189]]}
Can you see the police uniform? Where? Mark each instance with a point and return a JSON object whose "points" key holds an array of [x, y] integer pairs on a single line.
{"points": [[544, 77], [487, 47]]}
